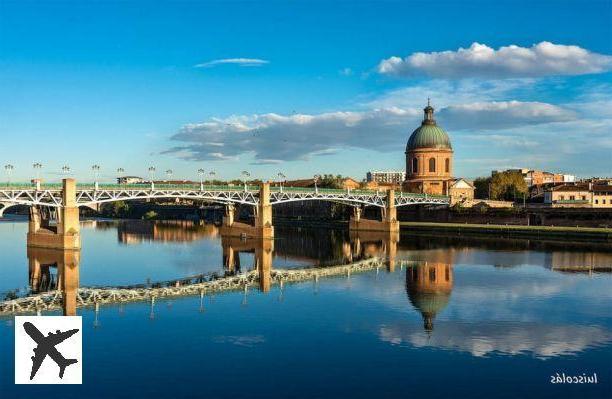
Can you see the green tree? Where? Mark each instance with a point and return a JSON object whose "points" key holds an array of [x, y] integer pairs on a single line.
{"points": [[508, 186], [481, 185], [150, 215]]}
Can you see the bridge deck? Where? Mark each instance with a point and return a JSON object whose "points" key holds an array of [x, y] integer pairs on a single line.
{"points": [[88, 195]]}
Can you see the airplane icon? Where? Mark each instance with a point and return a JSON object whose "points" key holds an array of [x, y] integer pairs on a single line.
{"points": [[46, 346]]}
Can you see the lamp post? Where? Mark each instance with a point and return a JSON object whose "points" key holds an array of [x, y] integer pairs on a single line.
{"points": [[201, 173], [246, 176], [120, 172], [66, 170], [281, 177], [316, 179], [151, 176], [37, 167], [96, 172], [169, 175], [9, 171], [212, 175]]}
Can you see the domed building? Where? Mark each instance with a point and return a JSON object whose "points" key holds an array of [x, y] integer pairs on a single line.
{"points": [[429, 287], [429, 158]]}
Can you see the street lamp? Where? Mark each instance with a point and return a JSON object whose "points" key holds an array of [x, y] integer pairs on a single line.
{"points": [[316, 179], [246, 176], [37, 167], [201, 173], [212, 175], [66, 169], [169, 174], [96, 172], [9, 170], [281, 177], [151, 176], [120, 172]]}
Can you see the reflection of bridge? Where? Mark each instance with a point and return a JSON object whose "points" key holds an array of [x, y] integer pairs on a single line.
{"points": [[54, 214], [203, 285]]}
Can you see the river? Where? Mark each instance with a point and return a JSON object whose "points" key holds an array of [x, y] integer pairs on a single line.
{"points": [[444, 316]]}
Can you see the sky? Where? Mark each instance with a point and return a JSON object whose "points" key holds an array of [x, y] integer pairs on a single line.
{"points": [[302, 87]]}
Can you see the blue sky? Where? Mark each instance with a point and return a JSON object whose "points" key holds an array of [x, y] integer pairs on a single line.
{"points": [[302, 87]]}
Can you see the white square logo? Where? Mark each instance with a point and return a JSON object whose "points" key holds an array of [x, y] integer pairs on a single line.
{"points": [[48, 350]]}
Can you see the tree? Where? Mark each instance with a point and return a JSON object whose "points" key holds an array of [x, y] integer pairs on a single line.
{"points": [[150, 215], [508, 186], [481, 185], [118, 209]]}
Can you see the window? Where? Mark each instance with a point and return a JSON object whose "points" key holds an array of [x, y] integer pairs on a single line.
{"points": [[432, 164], [432, 274], [596, 201], [603, 202], [447, 165], [572, 197], [415, 165], [561, 198], [584, 197]]}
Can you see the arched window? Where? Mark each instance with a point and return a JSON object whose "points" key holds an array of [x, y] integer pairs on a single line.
{"points": [[432, 164], [447, 165], [415, 165]]}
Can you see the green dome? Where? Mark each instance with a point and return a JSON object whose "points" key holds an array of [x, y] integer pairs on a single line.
{"points": [[429, 135]]}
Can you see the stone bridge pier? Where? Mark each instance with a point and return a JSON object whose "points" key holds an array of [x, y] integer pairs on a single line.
{"points": [[389, 222], [65, 234], [263, 227]]}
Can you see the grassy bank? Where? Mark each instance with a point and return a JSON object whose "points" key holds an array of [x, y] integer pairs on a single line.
{"points": [[596, 233]]}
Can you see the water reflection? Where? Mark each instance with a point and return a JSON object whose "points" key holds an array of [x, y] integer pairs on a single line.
{"points": [[42, 263], [471, 309], [429, 287]]}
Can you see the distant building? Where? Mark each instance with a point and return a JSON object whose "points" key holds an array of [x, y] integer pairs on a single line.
{"points": [[130, 180], [538, 177], [586, 195], [460, 191], [429, 162], [386, 176], [429, 158]]}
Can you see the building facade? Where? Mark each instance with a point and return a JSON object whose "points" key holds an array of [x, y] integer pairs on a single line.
{"points": [[586, 195], [386, 176], [429, 158], [461, 191]]}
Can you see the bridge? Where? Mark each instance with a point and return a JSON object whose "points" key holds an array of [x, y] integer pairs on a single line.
{"points": [[54, 213]]}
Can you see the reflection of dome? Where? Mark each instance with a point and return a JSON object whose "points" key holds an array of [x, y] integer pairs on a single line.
{"points": [[429, 287], [429, 134]]}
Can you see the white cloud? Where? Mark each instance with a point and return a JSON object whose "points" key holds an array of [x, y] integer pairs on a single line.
{"points": [[273, 138], [244, 62], [539, 340], [503, 114], [479, 60]]}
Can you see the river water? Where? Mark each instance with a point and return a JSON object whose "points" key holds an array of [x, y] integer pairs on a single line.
{"points": [[445, 317]]}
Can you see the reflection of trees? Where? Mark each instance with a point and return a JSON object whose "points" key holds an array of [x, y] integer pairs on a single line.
{"points": [[133, 232]]}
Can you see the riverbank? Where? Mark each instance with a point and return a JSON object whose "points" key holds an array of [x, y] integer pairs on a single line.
{"points": [[564, 232]]}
